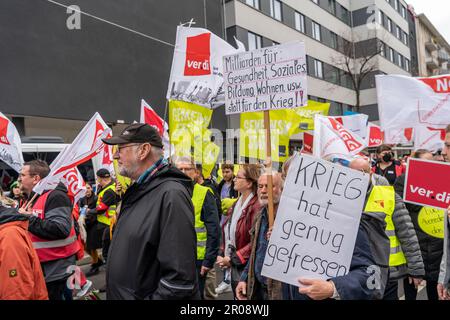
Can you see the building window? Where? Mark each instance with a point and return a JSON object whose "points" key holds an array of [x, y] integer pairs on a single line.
{"points": [[316, 31], [399, 33], [275, 9], [254, 41], [332, 6], [333, 40], [391, 54], [403, 12], [400, 60], [253, 3], [407, 65], [380, 17], [396, 5], [389, 22], [345, 15], [300, 22], [405, 38], [318, 69], [382, 49]]}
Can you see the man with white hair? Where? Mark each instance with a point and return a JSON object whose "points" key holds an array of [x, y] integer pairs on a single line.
{"points": [[252, 285]]}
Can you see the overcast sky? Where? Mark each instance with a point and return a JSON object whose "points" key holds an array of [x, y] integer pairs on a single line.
{"points": [[437, 11]]}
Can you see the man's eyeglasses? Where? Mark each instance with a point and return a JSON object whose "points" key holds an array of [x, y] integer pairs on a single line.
{"points": [[119, 147]]}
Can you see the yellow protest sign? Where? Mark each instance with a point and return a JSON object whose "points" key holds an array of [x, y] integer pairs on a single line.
{"points": [[307, 114], [210, 155], [187, 125], [431, 221], [252, 144]]}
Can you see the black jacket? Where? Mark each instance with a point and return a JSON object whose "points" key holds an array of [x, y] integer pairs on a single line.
{"points": [[154, 250], [209, 216], [56, 226], [430, 247]]}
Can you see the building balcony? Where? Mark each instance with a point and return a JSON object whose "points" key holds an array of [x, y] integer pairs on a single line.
{"points": [[431, 46], [432, 63], [443, 56]]}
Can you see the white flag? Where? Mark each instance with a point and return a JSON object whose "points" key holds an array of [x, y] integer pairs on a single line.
{"points": [[150, 117], [405, 102], [86, 145], [331, 138], [356, 123], [10, 144], [430, 139], [197, 68], [398, 136]]}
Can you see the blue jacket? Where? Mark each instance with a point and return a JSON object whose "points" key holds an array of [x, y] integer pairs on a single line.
{"points": [[352, 286]]}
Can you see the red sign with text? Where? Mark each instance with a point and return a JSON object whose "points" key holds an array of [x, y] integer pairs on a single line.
{"points": [[427, 183]]}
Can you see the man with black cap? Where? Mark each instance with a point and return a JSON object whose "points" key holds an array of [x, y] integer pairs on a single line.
{"points": [[153, 251], [100, 219]]}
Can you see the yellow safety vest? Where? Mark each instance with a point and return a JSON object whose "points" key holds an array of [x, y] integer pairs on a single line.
{"points": [[111, 212], [431, 221], [198, 199], [382, 199]]}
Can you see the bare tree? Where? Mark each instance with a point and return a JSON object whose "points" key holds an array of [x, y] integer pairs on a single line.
{"points": [[358, 62]]}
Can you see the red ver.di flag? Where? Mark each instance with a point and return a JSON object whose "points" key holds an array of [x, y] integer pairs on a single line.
{"points": [[197, 68], [10, 144], [427, 183]]}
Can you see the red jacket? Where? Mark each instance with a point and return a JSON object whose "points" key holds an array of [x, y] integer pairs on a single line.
{"points": [[243, 227], [21, 276]]}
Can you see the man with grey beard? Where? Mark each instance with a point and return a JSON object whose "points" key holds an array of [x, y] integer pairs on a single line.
{"points": [[152, 255], [252, 285]]}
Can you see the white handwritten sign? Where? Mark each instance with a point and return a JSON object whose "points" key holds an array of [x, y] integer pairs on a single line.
{"points": [[271, 78], [317, 221]]}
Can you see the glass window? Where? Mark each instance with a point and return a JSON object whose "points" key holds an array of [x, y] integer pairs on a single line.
{"points": [[275, 9], [316, 31], [389, 24], [318, 69], [400, 60], [380, 17], [253, 3], [399, 33], [332, 6], [403, 12], [345, 15], [382, 49], [405, 38], [407, 65], [254, 41], [391, 54], [396, 4], [333, 37], [300, 22]]}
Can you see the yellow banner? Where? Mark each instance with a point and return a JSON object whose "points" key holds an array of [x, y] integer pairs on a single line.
{"points": [[188, 125], [307, 114], [211, 153], [283, 124]]}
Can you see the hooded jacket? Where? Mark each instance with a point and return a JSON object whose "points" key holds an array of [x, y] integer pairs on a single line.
{"points": [[153, 250], [21, 276]]}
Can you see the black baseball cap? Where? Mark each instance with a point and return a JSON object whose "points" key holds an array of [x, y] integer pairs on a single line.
{"points": [[103, 173], [137, 133]]}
